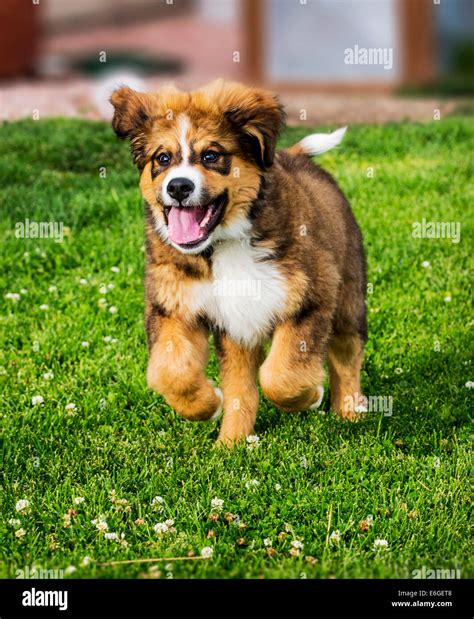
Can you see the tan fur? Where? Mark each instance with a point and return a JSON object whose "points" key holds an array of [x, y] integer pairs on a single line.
{"points": [[176, 369], [291, 376], [239, 366], [345, 355]]}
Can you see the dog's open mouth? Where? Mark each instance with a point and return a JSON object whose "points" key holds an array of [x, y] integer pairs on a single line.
{"points": [[191, 225]]}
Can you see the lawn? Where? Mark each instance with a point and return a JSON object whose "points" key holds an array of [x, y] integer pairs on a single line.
{"points": [[335, 487]]}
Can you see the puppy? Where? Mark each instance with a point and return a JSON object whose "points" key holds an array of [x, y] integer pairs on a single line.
{"points": [[247, 243]]}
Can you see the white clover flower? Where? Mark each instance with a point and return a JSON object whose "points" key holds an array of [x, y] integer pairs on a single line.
{"points": [[425, 264], [267, 542], [52, 289], [297, 544], [335, 537], [44, 307], [108, 339], [469, 384], [380, 544], [217, 504], [169, 523], [83, 281], [157, 502], [111, 536], [253, 483], [102, 302], [277, 487], [447, 298], [23, 291], [14, 522], [22, 505], [37, 400], [160, 528], [103, 289], [48, 375], [85, 344], [122, 541], [253, 438], [78, 500], [71, 409], [398, 371], [206, 552], [113, 309], [369, 520], [253, 441], [115, 270], [85, 561], [436, 462], [69, 570], [20, 532], [100, 524], [12, 296], [110, 286]]}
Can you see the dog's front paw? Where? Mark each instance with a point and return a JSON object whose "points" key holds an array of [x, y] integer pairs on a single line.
{"points": [[353, 407], [235, 428]]}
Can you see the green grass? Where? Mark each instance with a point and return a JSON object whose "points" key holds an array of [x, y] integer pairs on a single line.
{"points": [[315, 474]]}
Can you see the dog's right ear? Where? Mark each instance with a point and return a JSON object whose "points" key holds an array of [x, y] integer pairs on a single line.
{"points": [[132, 112]]}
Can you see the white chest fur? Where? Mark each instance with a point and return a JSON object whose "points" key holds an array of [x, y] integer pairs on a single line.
{"points": [[246, 294]]}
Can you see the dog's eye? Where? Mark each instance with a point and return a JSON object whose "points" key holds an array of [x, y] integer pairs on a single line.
{"points": [[210, 156], [164, 159]]}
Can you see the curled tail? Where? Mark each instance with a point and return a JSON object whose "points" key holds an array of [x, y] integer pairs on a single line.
{"points": [[317, 143]]}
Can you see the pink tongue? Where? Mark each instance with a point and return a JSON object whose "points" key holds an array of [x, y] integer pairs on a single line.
{"points": [[183, 226]]}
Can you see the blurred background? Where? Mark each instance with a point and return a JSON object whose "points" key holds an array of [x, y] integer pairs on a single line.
{"points": [[330, 60]]}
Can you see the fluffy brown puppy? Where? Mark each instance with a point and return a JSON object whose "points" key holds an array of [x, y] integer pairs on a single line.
{"points": [[249, 244]]}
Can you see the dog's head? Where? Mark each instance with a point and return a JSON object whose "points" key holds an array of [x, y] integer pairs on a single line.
{"points": [[201, 156]]}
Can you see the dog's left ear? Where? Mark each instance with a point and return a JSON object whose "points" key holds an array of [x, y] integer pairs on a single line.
{"points": [[257, 116]]}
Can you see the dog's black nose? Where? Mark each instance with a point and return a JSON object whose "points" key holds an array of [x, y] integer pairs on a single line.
{"points": [[180, 188]]}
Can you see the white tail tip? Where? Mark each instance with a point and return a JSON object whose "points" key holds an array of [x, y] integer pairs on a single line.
{"points": [[319, 143]]}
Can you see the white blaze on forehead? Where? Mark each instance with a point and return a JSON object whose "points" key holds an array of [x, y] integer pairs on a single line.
{"points": [[184, 126], [184, 169]]}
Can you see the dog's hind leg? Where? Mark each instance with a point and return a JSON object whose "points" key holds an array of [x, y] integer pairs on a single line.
{"points": [[346, 346], [345, 355]]}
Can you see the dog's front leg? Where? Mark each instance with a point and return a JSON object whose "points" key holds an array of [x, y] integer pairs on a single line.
{"points": [[239, 367], [177, 366]]}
